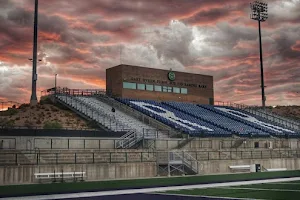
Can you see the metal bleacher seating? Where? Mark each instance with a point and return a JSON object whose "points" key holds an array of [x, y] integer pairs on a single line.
{"points": [[254, 121], [176, 119], [226, 123], [208, 120]]}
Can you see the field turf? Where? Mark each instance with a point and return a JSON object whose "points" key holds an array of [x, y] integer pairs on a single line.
{"points": [[60, 188], [270, 191]]}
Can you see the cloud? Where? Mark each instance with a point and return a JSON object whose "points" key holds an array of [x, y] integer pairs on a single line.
{"points": [[80, 39]]}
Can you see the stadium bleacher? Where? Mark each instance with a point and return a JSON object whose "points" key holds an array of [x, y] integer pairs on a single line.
{"points": [[208, 120]]}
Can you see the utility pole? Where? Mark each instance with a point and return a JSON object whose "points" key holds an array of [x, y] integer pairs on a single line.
{"points": [[55, 83], [260, 14], [33, 98]]}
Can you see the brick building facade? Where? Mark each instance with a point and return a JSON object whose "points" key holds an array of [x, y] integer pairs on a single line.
{"points": [[143, 83]]}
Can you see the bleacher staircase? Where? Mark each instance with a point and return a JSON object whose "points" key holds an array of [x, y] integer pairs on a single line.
{"points": [[99, 110], [176, 163]]}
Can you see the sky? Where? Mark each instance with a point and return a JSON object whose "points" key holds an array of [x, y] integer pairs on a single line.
{"points": [[80, 39]]}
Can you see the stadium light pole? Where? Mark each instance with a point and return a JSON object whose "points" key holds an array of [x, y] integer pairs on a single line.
{"points": [[260, 14], [33, 98], [55, 80]]}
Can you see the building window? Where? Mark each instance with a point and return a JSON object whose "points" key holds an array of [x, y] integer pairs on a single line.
{"points": [[184, 91], [165, 89], [128, 85], [149, 87], [141, 86], [157, 88], [169, 89], [176, 90]]}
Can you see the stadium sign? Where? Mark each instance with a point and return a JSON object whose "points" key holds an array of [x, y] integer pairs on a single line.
{"points": [[171, 76], [170, 82]]}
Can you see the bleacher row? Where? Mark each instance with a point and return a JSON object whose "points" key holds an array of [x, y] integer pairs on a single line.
{"points": [[208, 120]]}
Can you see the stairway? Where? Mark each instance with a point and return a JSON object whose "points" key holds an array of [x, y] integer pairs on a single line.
{"points": [[238, 143], [176, 163]]}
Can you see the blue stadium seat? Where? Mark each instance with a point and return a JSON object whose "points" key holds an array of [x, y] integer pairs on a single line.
{"points": [[236, 127], [208, 120], [177, 119]]}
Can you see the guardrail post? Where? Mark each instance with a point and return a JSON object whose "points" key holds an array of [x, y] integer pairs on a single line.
{"points": [[16, 159]]}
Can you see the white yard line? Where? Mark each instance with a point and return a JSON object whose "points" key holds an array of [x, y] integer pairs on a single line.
{"points": [[148, 190], [261, 189], [283, 183], [197, 196]]}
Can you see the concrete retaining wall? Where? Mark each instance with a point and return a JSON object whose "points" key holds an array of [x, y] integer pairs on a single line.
{"points": [[217, 166], [25, 174], [30, 143]]}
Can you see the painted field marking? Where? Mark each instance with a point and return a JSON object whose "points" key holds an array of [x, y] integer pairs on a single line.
{"points": [[204, 196], [262, 189], [282, 184]]}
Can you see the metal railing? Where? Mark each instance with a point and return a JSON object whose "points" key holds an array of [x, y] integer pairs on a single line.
{"points": [[279, 120], [258, 111], [185, 158], [138, 115], [128, 140], [190, 157], [98, 115]]}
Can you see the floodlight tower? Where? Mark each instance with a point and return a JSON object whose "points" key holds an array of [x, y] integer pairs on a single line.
{"points": [[33, 98], [260, 14]]}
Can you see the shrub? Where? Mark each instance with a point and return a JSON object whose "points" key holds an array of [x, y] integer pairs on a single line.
{"points": [[28, 124], [91, 124], [52, 125], [9, 112]]}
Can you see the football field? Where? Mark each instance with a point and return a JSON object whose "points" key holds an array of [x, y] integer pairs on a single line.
{"points": [[275, 191]]}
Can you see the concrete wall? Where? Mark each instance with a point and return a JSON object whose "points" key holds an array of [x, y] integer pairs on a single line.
{"points": [[222, 166], [30, 143], [25, 174]]}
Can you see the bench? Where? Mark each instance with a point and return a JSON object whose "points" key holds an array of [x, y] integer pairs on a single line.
{"points": [[276, 169], [60, 176], [240, 167]]}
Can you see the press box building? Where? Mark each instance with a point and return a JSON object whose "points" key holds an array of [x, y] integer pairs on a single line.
{"points": [[134, 82]]}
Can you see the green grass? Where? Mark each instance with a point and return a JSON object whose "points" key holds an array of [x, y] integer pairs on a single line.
{"points": [[15, 190], [236, 193], [272, 186], [248, 193]]}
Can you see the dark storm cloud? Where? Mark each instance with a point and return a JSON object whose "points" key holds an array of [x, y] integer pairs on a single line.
{"points": [[80, 39]]}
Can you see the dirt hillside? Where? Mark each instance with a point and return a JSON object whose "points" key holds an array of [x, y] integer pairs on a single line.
{"points": [[43, 115]]}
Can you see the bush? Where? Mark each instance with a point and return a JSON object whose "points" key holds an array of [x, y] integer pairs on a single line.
{"points": [[92, 124], [7, 123], [24, 106], [9, 112], [52, 125], [28, 124], [45, 100]]}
